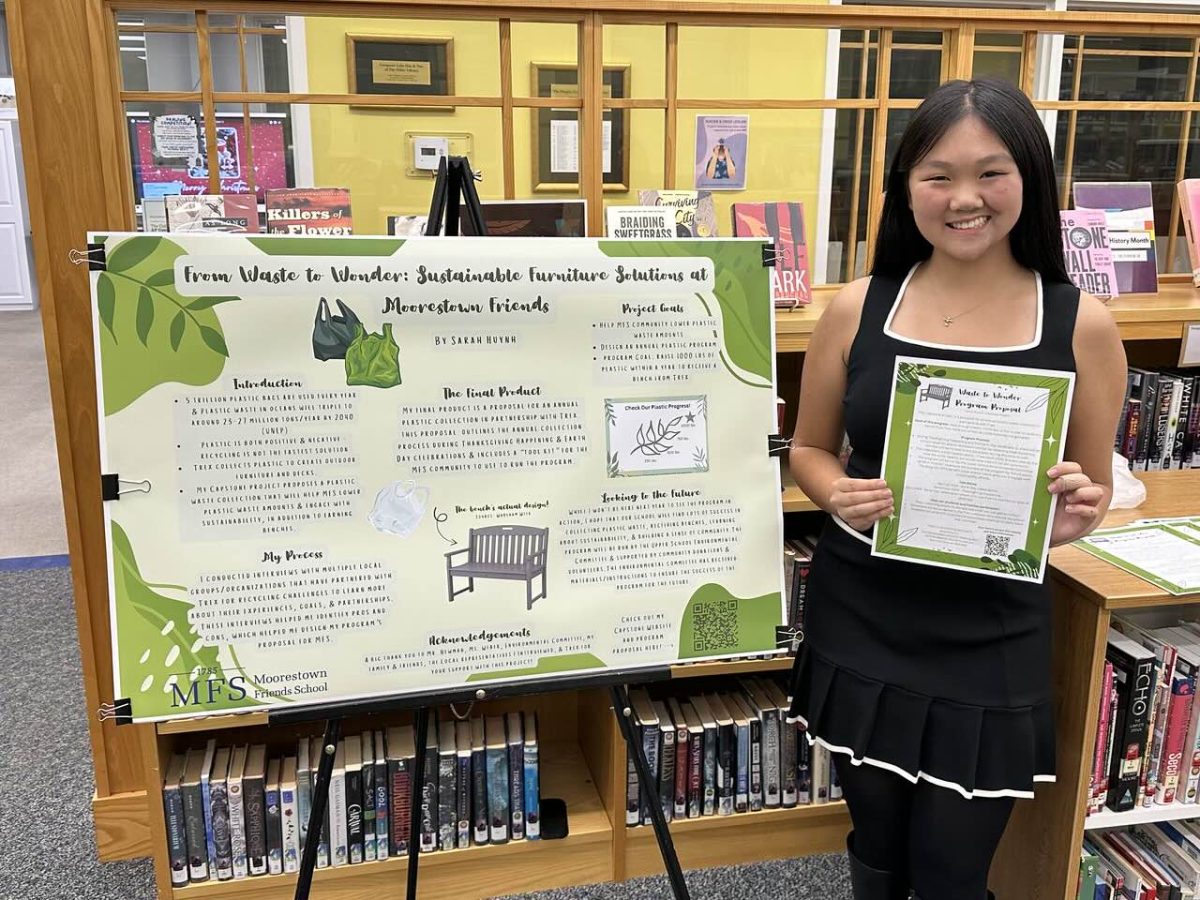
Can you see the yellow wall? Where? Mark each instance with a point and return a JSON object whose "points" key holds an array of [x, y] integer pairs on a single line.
{"points": [[365, 149]]}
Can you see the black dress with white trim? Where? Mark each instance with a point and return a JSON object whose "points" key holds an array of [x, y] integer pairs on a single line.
{"points": [[934, 674]]}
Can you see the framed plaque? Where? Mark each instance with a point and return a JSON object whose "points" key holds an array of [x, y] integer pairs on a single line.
{"points": [[556, 131], [392, 65]]}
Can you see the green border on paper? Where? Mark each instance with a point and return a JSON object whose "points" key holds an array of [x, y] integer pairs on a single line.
{"points": [[1025, 563], [1125, 565]]}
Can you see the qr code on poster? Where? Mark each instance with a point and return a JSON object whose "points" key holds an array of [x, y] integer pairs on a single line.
{"points": [[995, 545], [714, 626]]}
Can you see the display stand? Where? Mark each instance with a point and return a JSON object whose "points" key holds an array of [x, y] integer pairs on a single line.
{"points": [[454, 188]]}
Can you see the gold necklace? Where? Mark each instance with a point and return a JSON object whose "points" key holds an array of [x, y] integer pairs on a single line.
{"points": [[947, 321]]}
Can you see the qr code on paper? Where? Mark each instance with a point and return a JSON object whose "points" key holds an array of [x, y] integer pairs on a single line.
{"points": [[995, 545], [714, 626]]}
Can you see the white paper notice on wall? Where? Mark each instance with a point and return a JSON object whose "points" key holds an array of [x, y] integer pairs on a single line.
{"points": [[1189, 348]]}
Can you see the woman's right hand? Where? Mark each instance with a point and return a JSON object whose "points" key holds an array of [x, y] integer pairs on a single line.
{"points": [[861, 502]]}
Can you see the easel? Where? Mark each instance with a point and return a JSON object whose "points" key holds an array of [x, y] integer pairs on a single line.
{"points": [[455, 185]]}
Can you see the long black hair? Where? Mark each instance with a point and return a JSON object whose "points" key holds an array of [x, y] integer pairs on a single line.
{"points": [[1035, 238]]}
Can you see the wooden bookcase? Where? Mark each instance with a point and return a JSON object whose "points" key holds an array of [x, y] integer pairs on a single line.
{"points": [[77, 163]]}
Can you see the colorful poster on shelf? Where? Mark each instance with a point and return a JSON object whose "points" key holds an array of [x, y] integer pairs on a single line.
{"points": [[695, 213], [783, 224], [359, 467], [312, 211], [1129, 209], [207, 213], [721, 143], [1189, 206], [1086, 251], [159, 178]]}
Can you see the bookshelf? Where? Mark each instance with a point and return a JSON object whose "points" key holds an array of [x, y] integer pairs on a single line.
{"points": [[1038, 858], [1142, 816]]}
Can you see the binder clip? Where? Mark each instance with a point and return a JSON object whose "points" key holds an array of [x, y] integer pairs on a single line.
{"points": [[121, 711], [94, 257], [788, 637], [112, 487], [778, 445], [769, 256]]}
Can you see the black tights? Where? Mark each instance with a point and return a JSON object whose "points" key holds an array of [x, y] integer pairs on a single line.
{"points": [[942, 840]]}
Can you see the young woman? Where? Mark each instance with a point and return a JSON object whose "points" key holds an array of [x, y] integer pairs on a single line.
{"points": [[931, 687]]}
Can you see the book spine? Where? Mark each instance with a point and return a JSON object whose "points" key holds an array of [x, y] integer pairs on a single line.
{"points": [[197, 841], [1194, 425], [1162, 709], [1139, 686], [401, 804], [1133, 416], [370, 852], [682, 772], [1149, 413], [1163, 440], [801, 567], [820, 774], [516, 789], [1177, 725], [206, 797], [303, 794], [354, 816], [237, 828], [462, 837], [695, 789], [447, 800], [533, 792], [632, 788], [498, 812], [339, 830], [382, 809], [274, 832], [1148, 752], [291, 829], [772, 786], [712, 751], [429, 803], [756, 765], [479, 790], [666, 771], [223, 861], [741, 791], [804, 791], [788, 797], [1182, 418], [177, 849], [256, 825], [726, 769], [650, 739], [1108, 750]]}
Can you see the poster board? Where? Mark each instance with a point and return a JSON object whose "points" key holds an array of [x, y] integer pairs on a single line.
{"points": [[323, 421]]}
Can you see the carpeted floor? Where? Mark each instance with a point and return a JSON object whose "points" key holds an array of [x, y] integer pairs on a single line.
{"points": [[46, 836]]}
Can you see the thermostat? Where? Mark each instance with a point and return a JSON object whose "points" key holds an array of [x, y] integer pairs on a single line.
{"points": [[428, 152]]}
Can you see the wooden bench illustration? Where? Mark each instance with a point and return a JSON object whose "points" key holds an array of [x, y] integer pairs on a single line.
{"points": [[508, 552], [938, 392]]}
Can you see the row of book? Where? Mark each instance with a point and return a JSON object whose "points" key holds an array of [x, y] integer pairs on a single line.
{"points": [[725, 752], [1160, 423], [1160, 861], [237, 812], [660, 214], [1147, 749]]}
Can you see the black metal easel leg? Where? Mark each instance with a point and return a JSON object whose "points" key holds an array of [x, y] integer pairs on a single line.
{"points": [[649, 784], [316, 815], [418, 789]]}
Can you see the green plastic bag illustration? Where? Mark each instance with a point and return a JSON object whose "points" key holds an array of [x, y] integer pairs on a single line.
{"points": [[373, 359]]}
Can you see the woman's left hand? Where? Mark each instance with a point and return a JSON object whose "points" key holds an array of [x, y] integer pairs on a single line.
{"points": [[1079, 507]]}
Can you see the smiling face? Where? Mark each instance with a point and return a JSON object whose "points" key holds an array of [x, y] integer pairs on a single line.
{"points": [[966, 192]]}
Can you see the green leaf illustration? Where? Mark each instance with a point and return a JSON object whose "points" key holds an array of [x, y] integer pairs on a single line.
{"points": [[141, 344], [742, 288], [130, 252], [213, 338], [162, 659], [177, 326], [145, 314], [208, 302], [106, 301]]}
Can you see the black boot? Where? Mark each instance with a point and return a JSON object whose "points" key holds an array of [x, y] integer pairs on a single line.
{"points": [[873, 884]]}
